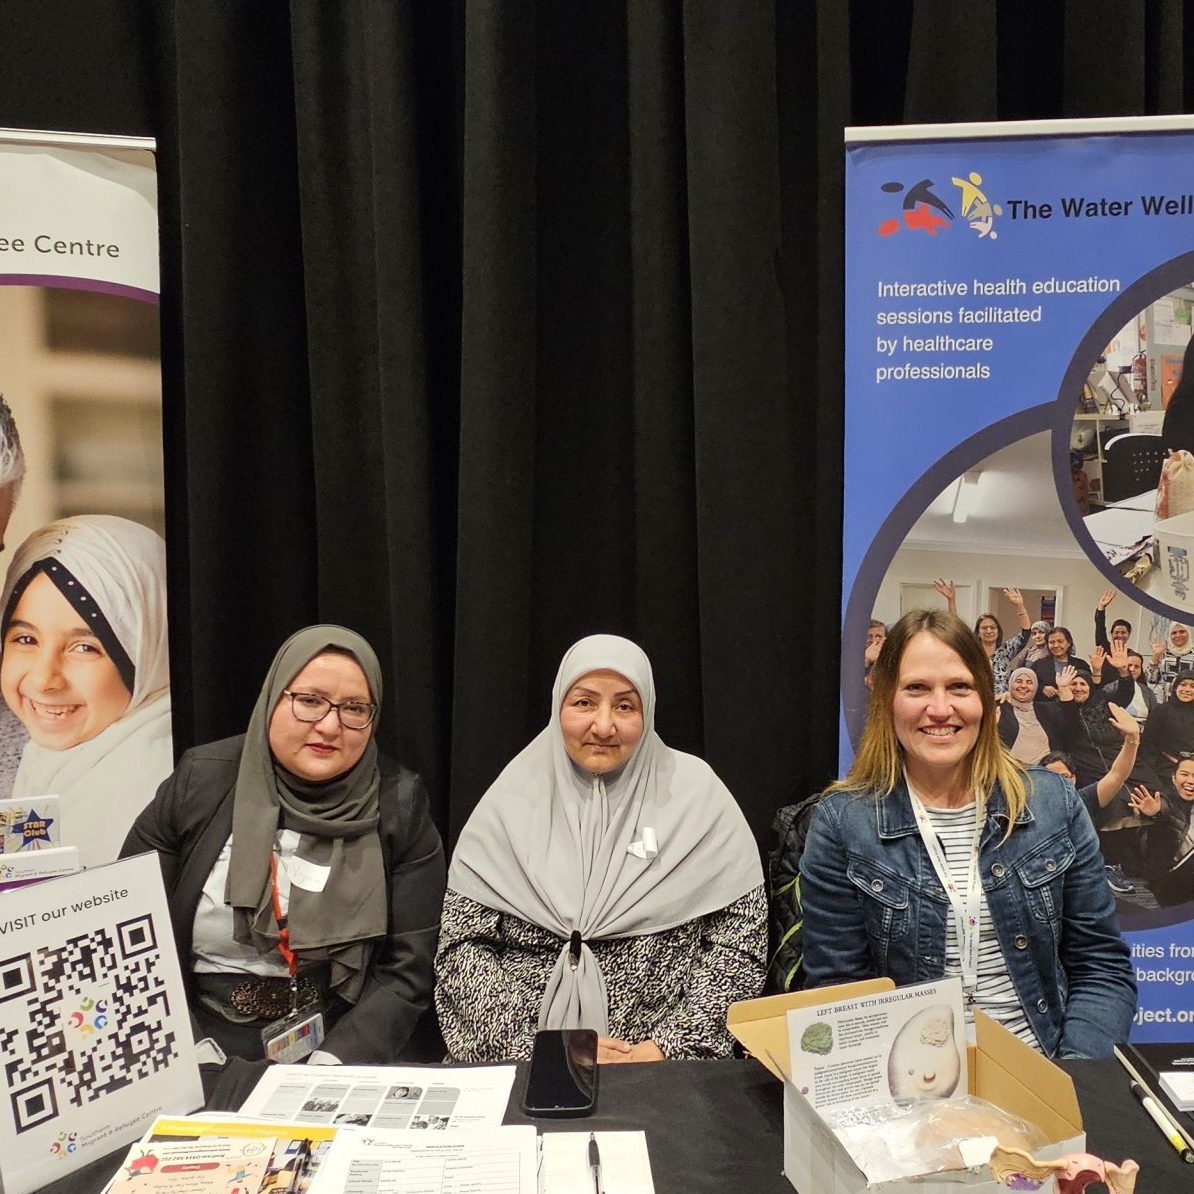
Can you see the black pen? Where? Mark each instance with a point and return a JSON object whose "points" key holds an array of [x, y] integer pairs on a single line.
{"points": [[1160, 1117], [595, 1163]]}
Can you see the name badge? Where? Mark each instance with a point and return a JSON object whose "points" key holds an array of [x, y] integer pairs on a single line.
{"points": [[310, 876], [647, 846], [294, 1037]]}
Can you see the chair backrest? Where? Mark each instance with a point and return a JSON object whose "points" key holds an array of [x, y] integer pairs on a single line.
{"points": [[1131, 465]]}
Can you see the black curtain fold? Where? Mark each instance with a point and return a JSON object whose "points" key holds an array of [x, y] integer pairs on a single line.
{"points": [[486, 325], [377, 551]]}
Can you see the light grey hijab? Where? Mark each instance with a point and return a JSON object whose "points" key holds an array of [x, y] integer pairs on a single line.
{"points": [[337, 821], [571, 852]]}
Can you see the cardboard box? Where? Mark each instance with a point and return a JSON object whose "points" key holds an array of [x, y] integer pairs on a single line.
{"points": [[1175, 560], [1003, 1070]]}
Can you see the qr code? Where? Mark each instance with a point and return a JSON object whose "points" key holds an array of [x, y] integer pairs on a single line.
{"points": [[83, 1020]]}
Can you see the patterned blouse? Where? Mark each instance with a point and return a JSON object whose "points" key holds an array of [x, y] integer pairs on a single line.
{"points": [[673, 987], [1004, 654]]}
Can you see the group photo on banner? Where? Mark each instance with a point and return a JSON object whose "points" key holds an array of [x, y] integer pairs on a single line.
{"points": [[1023, 298]]}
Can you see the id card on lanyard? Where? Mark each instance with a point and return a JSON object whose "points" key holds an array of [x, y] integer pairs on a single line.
{"points": [[301, 1032], [966, 904]]}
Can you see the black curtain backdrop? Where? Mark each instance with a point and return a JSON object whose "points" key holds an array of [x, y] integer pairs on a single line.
{"points": [[488, 325]]}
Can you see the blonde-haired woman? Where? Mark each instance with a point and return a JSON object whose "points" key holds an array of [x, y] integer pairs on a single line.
{"points": [[940, 854]]}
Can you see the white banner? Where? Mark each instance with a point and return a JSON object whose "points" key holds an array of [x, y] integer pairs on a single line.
{"points": [[83, 216]]}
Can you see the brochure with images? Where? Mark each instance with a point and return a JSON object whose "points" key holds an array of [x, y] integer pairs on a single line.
{"points": [[215, 1165], [298, 1149]]}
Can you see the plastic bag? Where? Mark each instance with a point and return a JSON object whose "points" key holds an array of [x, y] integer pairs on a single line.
{"points": [[889, 1140], [1175, 493]]}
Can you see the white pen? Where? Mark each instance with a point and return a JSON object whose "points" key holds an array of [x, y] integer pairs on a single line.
{"points": [[1160, 1117]]}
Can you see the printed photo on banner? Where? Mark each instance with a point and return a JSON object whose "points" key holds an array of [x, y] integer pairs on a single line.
{"points": [[84, 668], [1132, 451], [1017, 336]]}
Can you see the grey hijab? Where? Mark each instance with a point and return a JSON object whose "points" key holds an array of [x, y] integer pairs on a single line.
{"points": [[337, 820], [572, 852]]}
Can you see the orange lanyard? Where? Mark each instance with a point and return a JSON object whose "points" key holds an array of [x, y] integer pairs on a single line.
{"points": [[283, 924]]}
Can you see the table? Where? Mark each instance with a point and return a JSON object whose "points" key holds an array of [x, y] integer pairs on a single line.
{"points": [[717, 1126]]}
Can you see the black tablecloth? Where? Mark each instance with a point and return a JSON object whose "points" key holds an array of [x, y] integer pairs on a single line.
{"points": [[718, 1125]]}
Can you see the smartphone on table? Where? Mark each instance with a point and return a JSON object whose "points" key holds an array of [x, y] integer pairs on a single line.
{"points": [[562, 1081]]}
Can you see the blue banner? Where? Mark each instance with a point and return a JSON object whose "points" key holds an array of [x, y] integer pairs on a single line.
{"points": [[1018, 307]]}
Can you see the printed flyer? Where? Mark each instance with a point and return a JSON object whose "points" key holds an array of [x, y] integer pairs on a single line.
{"points": [[1020, 447], [906, 1044]]}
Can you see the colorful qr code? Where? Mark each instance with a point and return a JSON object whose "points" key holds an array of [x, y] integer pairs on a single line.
{"points": [[82, 1020]]}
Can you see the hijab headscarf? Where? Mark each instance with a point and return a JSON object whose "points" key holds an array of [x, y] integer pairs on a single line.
{"points": [[1173, 649], [657, 844], [1032, 743], [337, 820], [1035, 651], [113, 573]]}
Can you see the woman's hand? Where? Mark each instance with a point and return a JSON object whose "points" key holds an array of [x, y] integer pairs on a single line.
{"points": [[1158, 646], [1017, 599], [646, 1050], [1107, 598], [1048, 691], [1065, 678], [1096, 660], [949, 591], [1144, 802], [1118, 655], [611, 1051]]}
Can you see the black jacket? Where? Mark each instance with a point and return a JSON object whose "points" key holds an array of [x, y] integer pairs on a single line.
{"points": [[1085, 733], [190, 819], [1169, 871]]}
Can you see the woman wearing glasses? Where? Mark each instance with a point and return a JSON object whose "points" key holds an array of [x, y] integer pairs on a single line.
{"points": [[302, 868]]}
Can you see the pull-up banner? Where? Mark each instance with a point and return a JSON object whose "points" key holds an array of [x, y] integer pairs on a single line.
{"points": [[1018, 311], [85, 718]]}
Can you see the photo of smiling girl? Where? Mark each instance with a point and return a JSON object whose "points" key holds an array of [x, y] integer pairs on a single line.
{"points": [[85, 668]]}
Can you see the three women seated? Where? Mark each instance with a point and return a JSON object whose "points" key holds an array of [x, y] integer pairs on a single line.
{"points": [[607, 881]]}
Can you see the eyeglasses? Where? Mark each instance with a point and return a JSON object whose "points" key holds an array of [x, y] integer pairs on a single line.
{"points": [[309, 706]]}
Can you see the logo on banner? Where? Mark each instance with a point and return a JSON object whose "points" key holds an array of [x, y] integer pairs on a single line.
{"points": [[34, 830], [64, 1144], [923, 210]]}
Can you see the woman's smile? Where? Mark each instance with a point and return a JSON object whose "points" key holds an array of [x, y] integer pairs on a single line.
{"points": [[56, 675]]}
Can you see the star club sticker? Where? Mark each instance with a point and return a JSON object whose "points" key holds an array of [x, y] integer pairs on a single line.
{"points": [[34, 831]]}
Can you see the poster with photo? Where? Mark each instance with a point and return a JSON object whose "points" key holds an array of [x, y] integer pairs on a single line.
{"points": [[84, 669], [1019, 302]]}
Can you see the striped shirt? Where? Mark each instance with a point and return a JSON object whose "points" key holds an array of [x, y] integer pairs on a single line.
{"points": [[996, 994]]}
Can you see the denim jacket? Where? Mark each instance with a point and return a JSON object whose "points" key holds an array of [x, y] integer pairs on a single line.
{"points": [[873, 906]]}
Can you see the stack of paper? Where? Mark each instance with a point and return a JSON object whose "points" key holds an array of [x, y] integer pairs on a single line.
{"points": [[428, 1098]]}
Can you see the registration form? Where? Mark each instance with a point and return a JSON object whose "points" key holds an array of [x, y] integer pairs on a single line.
{"points": [[408, 1161]]}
